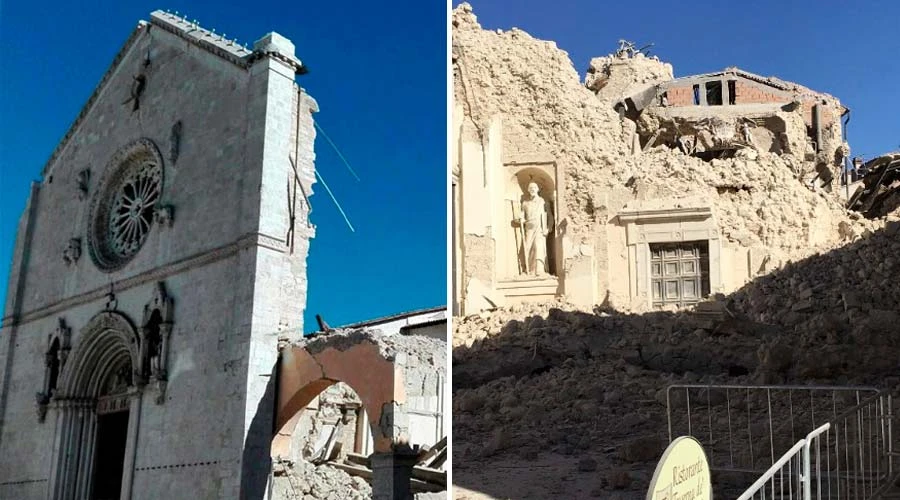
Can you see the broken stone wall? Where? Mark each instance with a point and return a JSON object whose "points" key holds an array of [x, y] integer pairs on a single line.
{"points": [[338, 405], [401, 378], [564, 389], [758, 199]]}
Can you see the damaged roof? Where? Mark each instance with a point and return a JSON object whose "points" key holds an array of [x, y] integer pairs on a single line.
{"points": [[771, 81]]}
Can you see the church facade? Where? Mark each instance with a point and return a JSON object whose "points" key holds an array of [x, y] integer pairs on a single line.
{"points": [[155, 264]]}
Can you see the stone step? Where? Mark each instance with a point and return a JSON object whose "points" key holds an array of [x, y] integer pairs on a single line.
{"points": [[543, 289], [551, 282]]}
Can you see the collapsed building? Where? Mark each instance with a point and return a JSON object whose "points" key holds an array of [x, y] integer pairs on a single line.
{"points": [[656, 191], [874, 186], [324, 450]]}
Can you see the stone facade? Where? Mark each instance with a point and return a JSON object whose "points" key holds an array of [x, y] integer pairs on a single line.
{"points": [[180, 332]]}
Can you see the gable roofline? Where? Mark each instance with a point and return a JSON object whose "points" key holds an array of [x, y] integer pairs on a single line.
{"points": [[771, 81], [395, 317], [734, 70], [93, 98], [216, 45]]}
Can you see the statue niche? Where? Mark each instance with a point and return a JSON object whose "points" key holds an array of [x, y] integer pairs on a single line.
{"points": [[533, 223], [59, 344], [156, 327]]}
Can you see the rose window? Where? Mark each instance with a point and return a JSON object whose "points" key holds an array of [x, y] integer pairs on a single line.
{"points": [[123, 210]]}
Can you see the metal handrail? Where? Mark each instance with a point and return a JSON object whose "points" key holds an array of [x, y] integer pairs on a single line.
{"points": [[774, 469]]}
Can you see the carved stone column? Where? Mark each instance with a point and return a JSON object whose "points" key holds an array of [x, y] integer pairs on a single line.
{"points": [[134, 422]]}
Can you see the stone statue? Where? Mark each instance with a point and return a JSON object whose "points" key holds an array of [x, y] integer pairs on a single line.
{"points": [[535, 229], [747, 134]]}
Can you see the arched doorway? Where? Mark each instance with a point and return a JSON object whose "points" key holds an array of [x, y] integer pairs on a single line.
{"points": [[98, 404]]}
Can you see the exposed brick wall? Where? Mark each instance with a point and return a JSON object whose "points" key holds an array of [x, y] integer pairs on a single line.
{"points": [[745, 94], [680, 96], [752, 94], [825, 113]]}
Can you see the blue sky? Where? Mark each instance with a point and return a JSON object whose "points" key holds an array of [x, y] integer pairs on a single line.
{"points": [[848, 49], [378, 72]]}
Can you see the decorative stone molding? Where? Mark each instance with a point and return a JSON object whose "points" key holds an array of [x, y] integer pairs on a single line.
{"points": [[106, 333], [122, 211], [646, 226], [112, 303], [83, 180], [156, 328], [59, 343], [72, 252], [199, 259]]}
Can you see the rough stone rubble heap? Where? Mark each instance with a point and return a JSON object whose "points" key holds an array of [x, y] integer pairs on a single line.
{"points": [[588, 387], [757, 197]]}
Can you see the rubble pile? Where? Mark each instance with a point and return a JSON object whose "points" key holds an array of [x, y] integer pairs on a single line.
{"points": [[577, 399], [760, 196], [537, 379], [612, 76], [302, 480], [842, 309], [305, 481]]}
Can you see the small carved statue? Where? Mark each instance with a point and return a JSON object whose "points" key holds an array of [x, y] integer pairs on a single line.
{"points": [[175, 142], [84, 177], [534, 226], [155, 331], [155, 353], [164, 215], [747, 134], [73, 251], [138, 84]]}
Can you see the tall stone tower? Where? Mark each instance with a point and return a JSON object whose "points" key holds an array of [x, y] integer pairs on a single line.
{"points": [[155, 264]]}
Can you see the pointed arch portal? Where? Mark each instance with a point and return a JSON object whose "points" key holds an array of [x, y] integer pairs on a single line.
{"points": [[98, 407]]}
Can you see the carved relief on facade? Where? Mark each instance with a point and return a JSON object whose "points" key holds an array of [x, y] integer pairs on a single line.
{"points": [[164, 215], [156, 328], [59, 343]]}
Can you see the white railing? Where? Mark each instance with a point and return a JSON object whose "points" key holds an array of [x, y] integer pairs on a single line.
{"points": [[850, 457], [790, 475], [853, 458]]}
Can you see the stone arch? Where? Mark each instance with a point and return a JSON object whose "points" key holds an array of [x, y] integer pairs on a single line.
{"points": [[393, 375], [107, 347], [107, 341], [306, 372]]}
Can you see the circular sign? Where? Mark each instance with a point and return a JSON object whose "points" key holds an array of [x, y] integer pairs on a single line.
{"points": [[682, 473]]}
